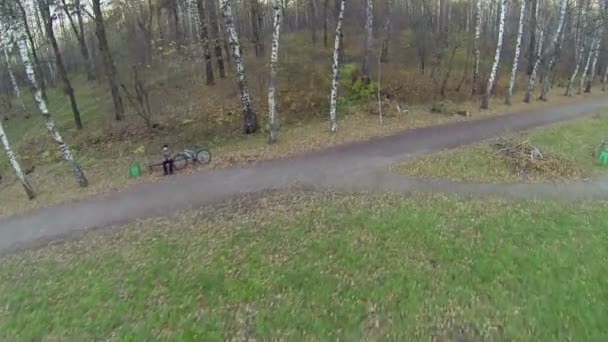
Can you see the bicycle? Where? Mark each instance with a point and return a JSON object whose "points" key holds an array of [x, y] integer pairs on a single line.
{"points": [[183, 157]]}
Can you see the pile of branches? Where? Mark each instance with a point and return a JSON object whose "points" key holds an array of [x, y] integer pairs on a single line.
{"points": [[528, 161]]}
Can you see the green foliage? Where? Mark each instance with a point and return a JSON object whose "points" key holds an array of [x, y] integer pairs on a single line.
{"points": [[354, 89]]}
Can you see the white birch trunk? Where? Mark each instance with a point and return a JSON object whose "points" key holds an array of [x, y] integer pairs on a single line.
{"points": [[477, 47], [520, 31], [16, 89], [485, 101], [553, 50], [274, 60], [12, 158], [532, 79], [580, 50], [605, 78], [333, 99], [250, 120], [369, 26], [46, 116], [596, 53], [586, 68]]}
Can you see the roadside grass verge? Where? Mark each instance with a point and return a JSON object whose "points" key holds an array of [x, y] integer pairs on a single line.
{"points": [[570, 149], [296, 265]]}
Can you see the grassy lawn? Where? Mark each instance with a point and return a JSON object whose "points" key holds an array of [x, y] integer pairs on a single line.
{"points": [[302, 266], [106, 149], [570, 145]]}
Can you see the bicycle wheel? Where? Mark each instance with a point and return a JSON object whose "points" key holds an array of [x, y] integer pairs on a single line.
{"points": [[180, 161], [203, 156]]}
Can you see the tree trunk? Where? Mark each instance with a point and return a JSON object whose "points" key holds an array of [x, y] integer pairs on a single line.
{"points": [[336, 70], [14, 81], [312, 20], [67, 86], [533, 28], [50, 124], [539, 56], [274, 60], [250, 119], [555, 46], [387, 32], [477, 47], [12, 158], [205, 42], [485, 101], [369, 27], [255, 27], [30, 37], [108, 61], [586, 68], [217, 46], [596, 53], [520, 31], [325, 18], [605, 78], [579, 46], [80, 37]]}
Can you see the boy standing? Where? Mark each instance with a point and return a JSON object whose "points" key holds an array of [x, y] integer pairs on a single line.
{"points": [[167, 160]]}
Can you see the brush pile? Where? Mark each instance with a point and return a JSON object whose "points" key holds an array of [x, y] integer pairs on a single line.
{"points": [[528, 161]]}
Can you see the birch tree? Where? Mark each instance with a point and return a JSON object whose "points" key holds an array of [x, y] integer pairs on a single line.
{"points": [[477, 47], [250, 119], [12, 158], [596, 53], [537, 60], [369, 26], [578, 45], [485, 100], [14, 83], [586, 68], [67, 85], [274, 60], [78, 29], [333, 99], [46, 115], [387, 32], [520, 31], [553, 51]]}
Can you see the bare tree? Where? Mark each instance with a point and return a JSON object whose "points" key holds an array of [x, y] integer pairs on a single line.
{"points": [[14, 83], [250, 118], [108, 61], [205, 42], [520, 31], [369, 26], [485, 100], [78, 28], [578, 45], [587, 63], [537, 61], [336, 70], [553, 51], [596, 53], [214, 29], [12, 158], [274, 60], [387, 32], [67, 85], [256, 28], [46, 115], [477, 47]]}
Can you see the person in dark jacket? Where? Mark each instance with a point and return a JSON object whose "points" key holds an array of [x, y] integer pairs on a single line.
{"points": [[167, 160]]}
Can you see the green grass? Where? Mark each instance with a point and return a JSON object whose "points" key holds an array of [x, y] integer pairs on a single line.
{"points": [[572, 144], [300, 266]]}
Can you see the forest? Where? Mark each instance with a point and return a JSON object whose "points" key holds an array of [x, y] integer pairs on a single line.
{"points": [[138, 71]]}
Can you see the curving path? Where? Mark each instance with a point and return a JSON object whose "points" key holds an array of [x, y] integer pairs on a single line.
{"points": [[352, 167]]}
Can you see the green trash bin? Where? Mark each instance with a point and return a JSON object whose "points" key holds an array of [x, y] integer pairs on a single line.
{"points": [[604, 158], [135, 170]]}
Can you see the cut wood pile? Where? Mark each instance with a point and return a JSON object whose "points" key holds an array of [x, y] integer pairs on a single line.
{"points": [[530, 162]]}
